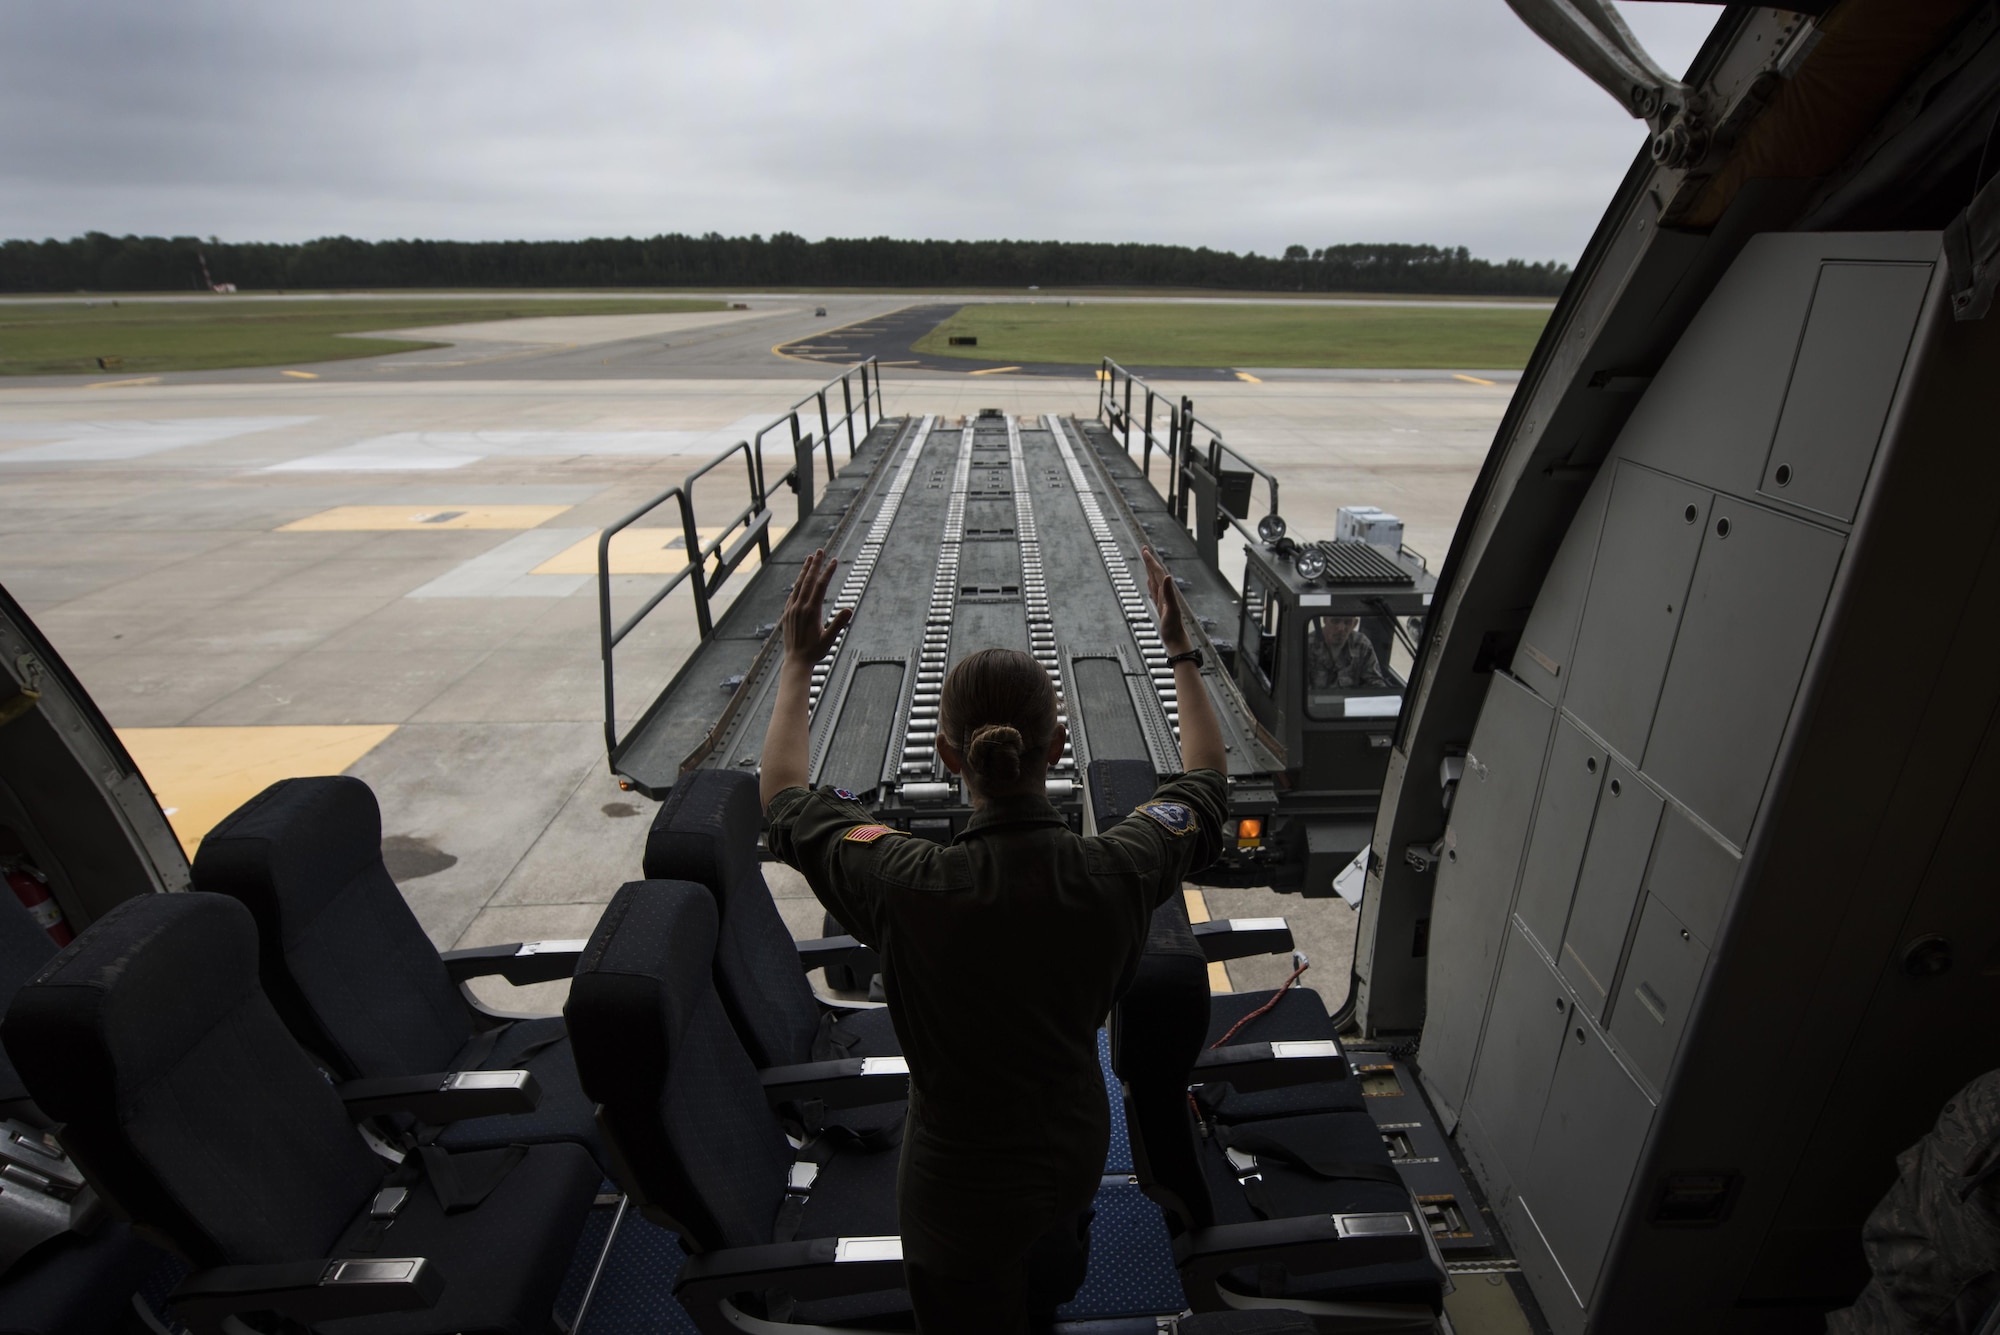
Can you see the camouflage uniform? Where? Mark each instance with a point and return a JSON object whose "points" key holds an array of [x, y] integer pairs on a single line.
{"points": [[1353, 663], [1934, 1241]]}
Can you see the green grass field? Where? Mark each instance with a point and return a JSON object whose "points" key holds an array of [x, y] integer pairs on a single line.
{"points": [[1193, 334], [210, 334]]}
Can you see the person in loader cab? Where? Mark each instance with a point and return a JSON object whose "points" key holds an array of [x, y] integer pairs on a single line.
{"points": [[1001, 954]]}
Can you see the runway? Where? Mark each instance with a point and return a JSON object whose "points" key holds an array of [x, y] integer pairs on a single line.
{"points": [[386, 569], [777, 336]]}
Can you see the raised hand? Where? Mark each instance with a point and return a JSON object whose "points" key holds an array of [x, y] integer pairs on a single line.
{"points": [[808, 636], [1166, 601]]}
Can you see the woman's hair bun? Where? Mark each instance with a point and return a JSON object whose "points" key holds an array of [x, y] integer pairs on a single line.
{"points": [[998, 708], [993, 753]]}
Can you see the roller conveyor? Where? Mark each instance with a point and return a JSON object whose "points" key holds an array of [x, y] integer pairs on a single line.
{"points": [[956, 536]]}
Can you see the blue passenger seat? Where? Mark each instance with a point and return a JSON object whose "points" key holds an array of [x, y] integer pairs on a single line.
{"points": [[66, 1267], [193, 1109], [356, 979], [706, 832], [1304, 1210], [780, 1234]]}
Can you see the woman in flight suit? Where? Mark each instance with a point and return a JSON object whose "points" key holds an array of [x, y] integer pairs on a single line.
{"points": [[1001, 955]]}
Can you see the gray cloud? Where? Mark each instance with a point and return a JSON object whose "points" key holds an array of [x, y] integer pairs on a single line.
{"points": [[1243, 127]]}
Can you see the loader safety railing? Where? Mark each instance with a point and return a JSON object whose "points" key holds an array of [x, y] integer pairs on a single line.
{"points": [[1211, 487], [800, 477], [711, 563]]}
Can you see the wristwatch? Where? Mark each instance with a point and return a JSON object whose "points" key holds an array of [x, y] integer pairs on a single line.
{"points": [[1190, 656]]}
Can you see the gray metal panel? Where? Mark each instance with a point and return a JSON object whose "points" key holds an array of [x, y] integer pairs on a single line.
{"points": [[1652, 534], [869, 708], [1551, 633], [1562, 824], [988, 565], [1712, 409], [1621, 841], [988, 625], [1753, 610], [1517, 1057], [1103, 706], [1849, 363], [1658, 988], [1592, 1130], [1483, 844], [1692, 874]]}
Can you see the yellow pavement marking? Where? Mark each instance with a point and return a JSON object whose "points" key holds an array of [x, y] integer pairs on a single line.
{"points": [[200, 775], [1249, 379], [993, 370], [121, 384], [1197, 907], [1472, 379], [388, 518], [300, 375], [634, 551], [640, 551]]}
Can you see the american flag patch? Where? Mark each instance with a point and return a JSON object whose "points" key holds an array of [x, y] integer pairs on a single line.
{"points": [[868, 834]]}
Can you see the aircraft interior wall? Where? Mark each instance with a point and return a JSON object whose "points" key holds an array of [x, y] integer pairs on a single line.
{"points": [[1677, 939]]}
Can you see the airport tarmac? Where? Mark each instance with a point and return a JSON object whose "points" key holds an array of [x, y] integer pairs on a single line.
{"points": [[385, 567]]}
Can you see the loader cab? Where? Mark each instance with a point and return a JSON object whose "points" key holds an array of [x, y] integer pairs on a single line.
{"points": [[1327, 631]]}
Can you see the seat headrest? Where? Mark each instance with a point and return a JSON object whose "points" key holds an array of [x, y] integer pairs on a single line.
{"points": [[706, 830], [682, 1110], [127, 999], [291, 847], [643, 974]]}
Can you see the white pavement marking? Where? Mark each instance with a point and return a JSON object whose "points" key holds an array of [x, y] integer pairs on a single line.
{"points": [[504, 571], [96, 442], [425, 451]]}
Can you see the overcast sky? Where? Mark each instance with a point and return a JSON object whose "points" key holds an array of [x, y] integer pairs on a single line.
{"points": [[1245, 126]]}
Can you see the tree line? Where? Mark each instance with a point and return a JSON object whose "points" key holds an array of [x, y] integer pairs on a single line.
{"points": [[97, 262]]}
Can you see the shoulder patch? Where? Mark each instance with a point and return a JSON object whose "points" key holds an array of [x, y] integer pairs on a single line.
{"points": [[868, 834], [843, 794], [1174, 817]]}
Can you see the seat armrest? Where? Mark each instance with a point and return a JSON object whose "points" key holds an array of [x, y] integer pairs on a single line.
{"points": [[1258, 1066], [1304, 1244], [519, 962], [442, 1096], [1239, 938], [851, 1082], [308, 1292], [813, 1269], [821, 951]]}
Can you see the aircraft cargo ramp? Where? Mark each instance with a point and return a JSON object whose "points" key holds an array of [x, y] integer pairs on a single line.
{"points": [[959, 534], [954, 536]]}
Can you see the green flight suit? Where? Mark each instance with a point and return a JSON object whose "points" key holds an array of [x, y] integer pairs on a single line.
{"points": [[1001, 953]]}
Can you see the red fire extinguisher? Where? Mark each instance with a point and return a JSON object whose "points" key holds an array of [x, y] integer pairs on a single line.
{"points": [[32, 889]]}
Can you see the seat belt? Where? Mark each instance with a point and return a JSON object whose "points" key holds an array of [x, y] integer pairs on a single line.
{"points": [[483, 1044], [1246, 1149], [456, 1184], [798, 1191]]}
